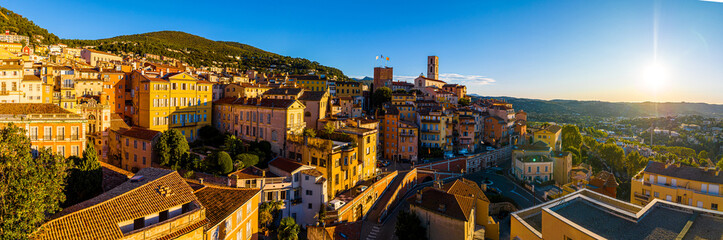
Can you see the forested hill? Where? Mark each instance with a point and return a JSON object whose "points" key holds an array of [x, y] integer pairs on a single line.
{"points": [[561, 110], [199, 51], [16, 23]]}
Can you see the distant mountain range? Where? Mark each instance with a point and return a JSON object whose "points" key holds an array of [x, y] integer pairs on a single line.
{"points": [[365, 80], [551, 108]]}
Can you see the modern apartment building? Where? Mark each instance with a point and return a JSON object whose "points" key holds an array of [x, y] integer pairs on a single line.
{"points": [[692, 186], [589, 215]]}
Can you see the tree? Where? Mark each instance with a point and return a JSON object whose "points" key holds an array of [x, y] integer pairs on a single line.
{"points": [[245, 160], [321, 216], [571, 137], [703, 155], [328, 128], [85, 178], [634, 162], [400, 91], [309, 132], [223, 162], [172, 148], [233, 146], [381, 96], [288, 229], [613, 154], [409, 227], [267, 211], [464, 102], [719, 165], [31, 188]]}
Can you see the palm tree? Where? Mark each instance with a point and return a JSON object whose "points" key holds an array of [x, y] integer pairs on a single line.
{"points": [[288, 230], [267, 211]]}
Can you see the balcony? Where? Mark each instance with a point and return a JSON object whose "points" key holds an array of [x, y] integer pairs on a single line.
{"points": [[4, 92], [74, 137], [641, 197], [67, 86], [406, 134]]}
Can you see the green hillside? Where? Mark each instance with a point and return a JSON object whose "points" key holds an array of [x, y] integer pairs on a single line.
{"points": [[199, 51], [22, 26], [571, 111]]}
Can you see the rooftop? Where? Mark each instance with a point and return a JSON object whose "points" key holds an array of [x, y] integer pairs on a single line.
{"points": [[600, 216], [285, 164], [98, 218], [31, 108], [220, 202], [684, 172]]}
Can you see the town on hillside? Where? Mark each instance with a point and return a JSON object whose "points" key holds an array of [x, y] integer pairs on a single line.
{"points": [[128, 146]]}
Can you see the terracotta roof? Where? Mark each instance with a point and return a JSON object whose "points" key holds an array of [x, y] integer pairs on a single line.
{"points": [[31, 108], [220, 202], [436, 200], [312, 172], [31, 78], [248, 173], [285, 164], [101, 52], [312, 95], [283, 91], [684, 172], [604, 179], [141, 133], [465, 187], [276, 103], [553, 128], [98, 217]]}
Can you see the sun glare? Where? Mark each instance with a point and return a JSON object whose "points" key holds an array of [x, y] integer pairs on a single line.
{"points": [[655, 76]]}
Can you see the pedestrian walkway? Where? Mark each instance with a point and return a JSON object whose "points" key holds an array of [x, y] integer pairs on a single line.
{"points": [[373, 234], [379, 207]]}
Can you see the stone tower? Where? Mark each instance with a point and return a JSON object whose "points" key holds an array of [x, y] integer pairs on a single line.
{"points": [[433, 67]]}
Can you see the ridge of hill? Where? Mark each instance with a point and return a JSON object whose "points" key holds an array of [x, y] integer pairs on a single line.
{"points": [[198, 51]]}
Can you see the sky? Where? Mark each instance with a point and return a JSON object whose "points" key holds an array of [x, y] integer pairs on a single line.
{"points": [[608, 50]]}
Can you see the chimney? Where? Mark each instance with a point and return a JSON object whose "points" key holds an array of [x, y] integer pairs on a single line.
{"points": [[358, 123], [263, 173], [200, 180]]}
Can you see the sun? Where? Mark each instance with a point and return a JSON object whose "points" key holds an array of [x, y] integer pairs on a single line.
{"points": [[655, 76]]}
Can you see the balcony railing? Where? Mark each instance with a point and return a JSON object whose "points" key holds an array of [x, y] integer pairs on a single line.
{"points": [[4, 92], [642, 197]]}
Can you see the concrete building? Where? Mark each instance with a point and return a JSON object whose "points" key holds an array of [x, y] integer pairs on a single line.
{"points": [[698, 187], [92, 57], [551, 135], [589, 215]]}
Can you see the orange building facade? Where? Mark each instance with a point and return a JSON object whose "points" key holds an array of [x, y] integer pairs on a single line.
{"points": [[48, 126]]}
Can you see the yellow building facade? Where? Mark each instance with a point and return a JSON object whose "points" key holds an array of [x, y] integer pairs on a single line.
{"points": [[178, 101], [697, 187], [552, 135]]}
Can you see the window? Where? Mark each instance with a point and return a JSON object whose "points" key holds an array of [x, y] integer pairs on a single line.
{"points": [[309, 192], [714, 206], [656, 194]]}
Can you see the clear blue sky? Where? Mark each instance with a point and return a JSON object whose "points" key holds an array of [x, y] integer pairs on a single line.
{"points": [[563, 49]]}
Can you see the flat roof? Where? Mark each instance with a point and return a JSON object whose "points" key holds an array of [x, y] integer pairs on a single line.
{"points": [[601, 216]]}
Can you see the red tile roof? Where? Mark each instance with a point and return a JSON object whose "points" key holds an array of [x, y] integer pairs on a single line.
{"points": [[31, 108], [220, 202], [285, 164], [141, 133], [98, 217]]}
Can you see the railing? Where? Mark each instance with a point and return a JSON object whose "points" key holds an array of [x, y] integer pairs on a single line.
{"points": [[67, 86], [4, 92], [74, 137], [642, 196]]}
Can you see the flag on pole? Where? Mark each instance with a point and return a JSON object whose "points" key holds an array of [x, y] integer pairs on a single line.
{"points": [[387, 58]]}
